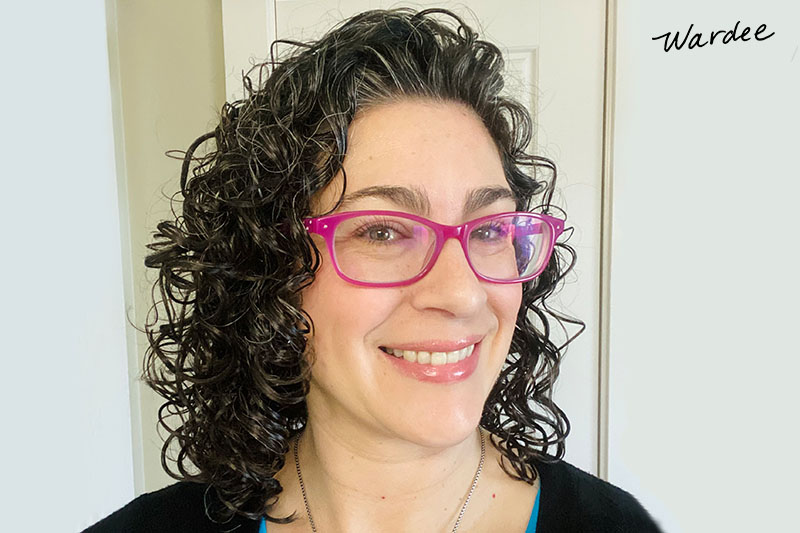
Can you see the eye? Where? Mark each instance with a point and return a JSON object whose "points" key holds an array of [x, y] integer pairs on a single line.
{"points": [[490, 231], [379, 233]]}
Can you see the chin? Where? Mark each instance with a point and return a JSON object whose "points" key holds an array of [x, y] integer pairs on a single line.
{"points": [[440, 433]]}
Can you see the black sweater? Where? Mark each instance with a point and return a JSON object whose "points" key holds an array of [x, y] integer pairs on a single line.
{"points": [[571, 501]]}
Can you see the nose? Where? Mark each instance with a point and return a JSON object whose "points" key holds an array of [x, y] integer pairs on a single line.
{"points": [[450, 286]]}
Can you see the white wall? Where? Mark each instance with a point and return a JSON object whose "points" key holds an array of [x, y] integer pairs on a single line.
{"points": [[66, 445], [704, 286]]}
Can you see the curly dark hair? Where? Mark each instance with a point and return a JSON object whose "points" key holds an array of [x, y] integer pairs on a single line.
{"points": [[227, 334]]}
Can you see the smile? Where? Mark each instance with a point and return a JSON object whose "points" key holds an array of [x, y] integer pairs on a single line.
{"points": [[432, 358], [436, 366]]}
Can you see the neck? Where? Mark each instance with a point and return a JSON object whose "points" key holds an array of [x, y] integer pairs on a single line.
{"points": [[361, 482]]}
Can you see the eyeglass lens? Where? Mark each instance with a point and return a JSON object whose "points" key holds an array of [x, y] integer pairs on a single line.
{"points": [[387, 249]]}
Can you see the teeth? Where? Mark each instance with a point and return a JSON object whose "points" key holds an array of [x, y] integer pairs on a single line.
{"points": [[438, 358], [432, 358]]}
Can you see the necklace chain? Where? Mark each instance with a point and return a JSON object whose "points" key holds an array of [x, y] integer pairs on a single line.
{"points": [[460, 515]]}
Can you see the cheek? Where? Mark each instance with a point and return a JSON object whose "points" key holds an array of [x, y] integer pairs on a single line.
{"points": [[339, 309], [320, 298], [506, 301], [327, 288]]}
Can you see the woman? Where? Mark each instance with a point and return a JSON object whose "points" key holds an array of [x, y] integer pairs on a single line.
{"points": [[356, 335]]}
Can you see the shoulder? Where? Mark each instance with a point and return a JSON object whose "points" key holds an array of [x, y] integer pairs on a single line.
{"points": [[174, 509], [574, 500]]}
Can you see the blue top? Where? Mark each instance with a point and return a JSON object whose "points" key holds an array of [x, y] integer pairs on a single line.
{"points": [[530, 529]]}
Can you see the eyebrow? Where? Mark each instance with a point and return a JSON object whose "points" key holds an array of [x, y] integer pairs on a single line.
{"points": [[416, 201], [479, 198]]}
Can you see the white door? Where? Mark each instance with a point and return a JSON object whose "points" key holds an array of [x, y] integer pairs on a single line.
{"points": [[555, 52]]}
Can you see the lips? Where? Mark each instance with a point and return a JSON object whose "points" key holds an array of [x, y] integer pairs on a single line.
{"points": [[448, 372], [431, 357], [436, 345]]}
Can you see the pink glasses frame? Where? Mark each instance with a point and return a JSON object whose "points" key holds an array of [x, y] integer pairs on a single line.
{"points": [[325, 226]]}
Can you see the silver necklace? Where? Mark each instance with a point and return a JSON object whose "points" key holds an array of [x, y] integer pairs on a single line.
{"points": [[460, 515]]}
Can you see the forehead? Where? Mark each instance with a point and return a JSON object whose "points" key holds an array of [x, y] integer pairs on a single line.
{"points": [[440, 150]]}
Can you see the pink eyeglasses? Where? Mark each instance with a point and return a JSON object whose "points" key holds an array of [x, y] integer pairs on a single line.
{"points": [[390, 249]]}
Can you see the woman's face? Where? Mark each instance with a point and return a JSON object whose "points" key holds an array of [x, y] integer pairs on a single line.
{"points": [[443, 152]]}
